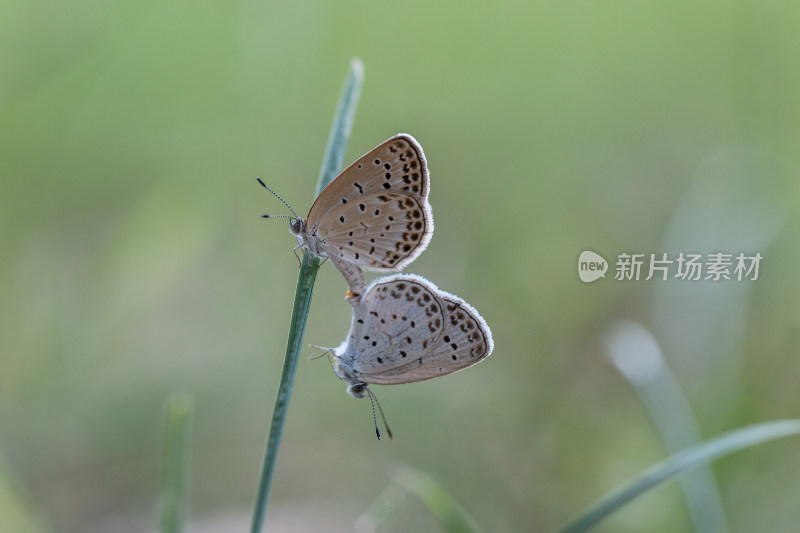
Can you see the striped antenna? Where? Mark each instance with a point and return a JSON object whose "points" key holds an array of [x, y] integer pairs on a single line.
{"points": [[279, 198]]}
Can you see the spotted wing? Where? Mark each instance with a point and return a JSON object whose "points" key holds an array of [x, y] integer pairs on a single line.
{"points": [[395, 321], [447, 334], [376, 214]]}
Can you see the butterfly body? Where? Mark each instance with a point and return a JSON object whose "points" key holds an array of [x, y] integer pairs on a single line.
{"points": [[405, 329]]}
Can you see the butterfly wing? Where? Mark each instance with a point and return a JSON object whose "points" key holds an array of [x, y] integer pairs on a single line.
{"points": [[398, 317], [407, 330], [376, 214]]}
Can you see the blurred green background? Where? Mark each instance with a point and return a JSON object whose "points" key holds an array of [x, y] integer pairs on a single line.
{"points": [[134, 262]]}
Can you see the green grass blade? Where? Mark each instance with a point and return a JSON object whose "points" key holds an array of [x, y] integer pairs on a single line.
{"points": [[679, 463], [332, 162], [175, 483], [385, 505], [450, 514], [637, 355], [342, 125], [15, 512]]}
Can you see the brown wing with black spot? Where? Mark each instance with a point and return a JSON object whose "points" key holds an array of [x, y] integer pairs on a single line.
{"points": [[376, 214]]}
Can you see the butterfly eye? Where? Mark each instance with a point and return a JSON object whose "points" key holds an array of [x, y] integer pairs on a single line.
{"points": [[296, 226], [356, 390]]}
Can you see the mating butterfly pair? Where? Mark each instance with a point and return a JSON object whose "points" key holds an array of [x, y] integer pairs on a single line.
{"points": [[375, 215]]}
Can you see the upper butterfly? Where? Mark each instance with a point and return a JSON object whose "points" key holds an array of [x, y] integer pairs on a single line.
{"points": [[375, 214]]}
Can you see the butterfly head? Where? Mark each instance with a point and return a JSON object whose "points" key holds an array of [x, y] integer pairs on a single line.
{"points": [[357, 389], [297, 226]]}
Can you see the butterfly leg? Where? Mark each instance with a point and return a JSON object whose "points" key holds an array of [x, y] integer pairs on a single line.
{"points": [[295, 253], [325, 351]]}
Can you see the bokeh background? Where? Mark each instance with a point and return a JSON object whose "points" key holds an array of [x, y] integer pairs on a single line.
{"points": [[134, 263]]}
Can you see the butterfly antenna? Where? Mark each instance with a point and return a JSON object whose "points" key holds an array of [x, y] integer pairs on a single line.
{"points": [[374, 400], [374, 418], [278, 196]]}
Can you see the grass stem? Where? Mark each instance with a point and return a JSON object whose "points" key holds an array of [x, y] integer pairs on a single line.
{"points": [[175, 483], [331, 165]]}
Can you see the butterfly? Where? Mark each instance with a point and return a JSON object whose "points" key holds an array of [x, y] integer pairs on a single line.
{"points": [[405, 329], [374, 215]]}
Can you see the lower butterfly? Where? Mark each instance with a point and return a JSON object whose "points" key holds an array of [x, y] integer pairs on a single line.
{"points": [[404, 330]]}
